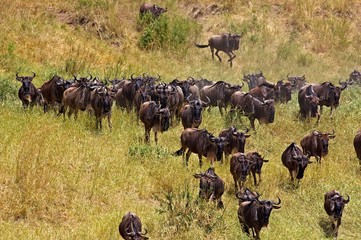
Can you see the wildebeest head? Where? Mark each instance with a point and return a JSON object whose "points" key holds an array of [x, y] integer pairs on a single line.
{"points": [[266, 209], [257, 161], [337, 92], [106, 99], [323, 139], [269, 110], [297, 82], [240, 138], [313, 100], [163, 114], [26, 84], [206, 181], [219, 143], [302, 162], [155, 10], [254, 79], [338, 205]]}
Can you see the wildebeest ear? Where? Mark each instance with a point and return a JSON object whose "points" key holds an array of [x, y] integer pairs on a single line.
{"points": [[331, 136]]}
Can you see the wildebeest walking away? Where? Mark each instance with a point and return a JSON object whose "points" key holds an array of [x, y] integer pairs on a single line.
{"points": [[130, 228], [226, 43]]}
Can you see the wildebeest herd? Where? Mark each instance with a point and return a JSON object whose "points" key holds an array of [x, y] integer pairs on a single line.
{"points": [[160, 105]]}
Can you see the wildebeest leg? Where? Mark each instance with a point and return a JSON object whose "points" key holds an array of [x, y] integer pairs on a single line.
{"points": [[212, 51], [110, 122], [337, 226], [291, 173], [252, 119], [235, 183], [187, 156], [220, 105], [230, 58], [200, 160], [256, 229], [218, 55], [156, 138], [254, 178], [147, 133]]}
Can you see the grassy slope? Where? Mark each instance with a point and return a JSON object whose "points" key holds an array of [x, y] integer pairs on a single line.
{"points": [[61, 180]]}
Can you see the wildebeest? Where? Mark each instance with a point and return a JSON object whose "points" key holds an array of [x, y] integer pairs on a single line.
{"points": [[308, 102], [254, 79], [247, 195], [211, 186], [155, 10], [255, 214], [236, 139], [53, 90], [283, 91], [316, 144], [264, 91], [101, 100], [154, 117], [171, 97], [297, 82], [334, 205], [191, 113], [28, 93], [354, 78], [240, 167], [264, 112], [130, 228], [256, 161], [202, 143], [357, 145], [242, 103], [329, 94], [77, 97], [295, 161], [189, 88], [226, 43], [219, 94]]}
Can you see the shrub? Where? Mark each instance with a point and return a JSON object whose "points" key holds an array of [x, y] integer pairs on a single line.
{"points": [[7, 90]]}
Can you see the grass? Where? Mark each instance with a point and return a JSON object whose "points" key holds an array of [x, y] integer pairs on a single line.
{"points": [[61, 179]]}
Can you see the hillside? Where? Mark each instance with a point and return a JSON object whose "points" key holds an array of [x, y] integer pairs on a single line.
{"points": [[61, 179]]}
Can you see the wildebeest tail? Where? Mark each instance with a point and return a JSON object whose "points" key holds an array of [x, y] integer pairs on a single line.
{"points": [[179, 152], [201, 46]]}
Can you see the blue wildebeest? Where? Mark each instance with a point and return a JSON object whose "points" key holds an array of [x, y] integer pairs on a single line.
{"points": [[334, 205], [53, 90], [256, 161], [295, 161], [101, 101], [236, 139], [202, 143], [155, 10], [309, 103], [154, 117], [226, 43], [28, 93], [316, 144], [211, 186], [130, 228], [255, 214], [240, 167], [357, 145], [191, 113]]}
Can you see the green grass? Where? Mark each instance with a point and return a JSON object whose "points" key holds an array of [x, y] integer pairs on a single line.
{"points": [[61, 179]]}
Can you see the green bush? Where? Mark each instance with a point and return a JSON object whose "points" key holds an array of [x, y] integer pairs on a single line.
{"points": [[165, 32], [7, 90]]}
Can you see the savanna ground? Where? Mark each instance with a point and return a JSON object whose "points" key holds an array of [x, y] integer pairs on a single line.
{"points": [[61, 179]]}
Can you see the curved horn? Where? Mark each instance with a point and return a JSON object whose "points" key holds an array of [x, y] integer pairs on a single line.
{"points": [[75, 78], [34, 74], [348, 199], [331, 134], [91, 77], [131, 76], [242, 84], [288, 75], [279, 202], [142, 234], [188, 97]]}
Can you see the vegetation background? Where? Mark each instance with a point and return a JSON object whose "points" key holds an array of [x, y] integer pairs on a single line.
{"points": [[60, 179]]}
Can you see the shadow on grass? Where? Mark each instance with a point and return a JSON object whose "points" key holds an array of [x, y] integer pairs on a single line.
{"points": [[325, 224], [289, 186]]}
